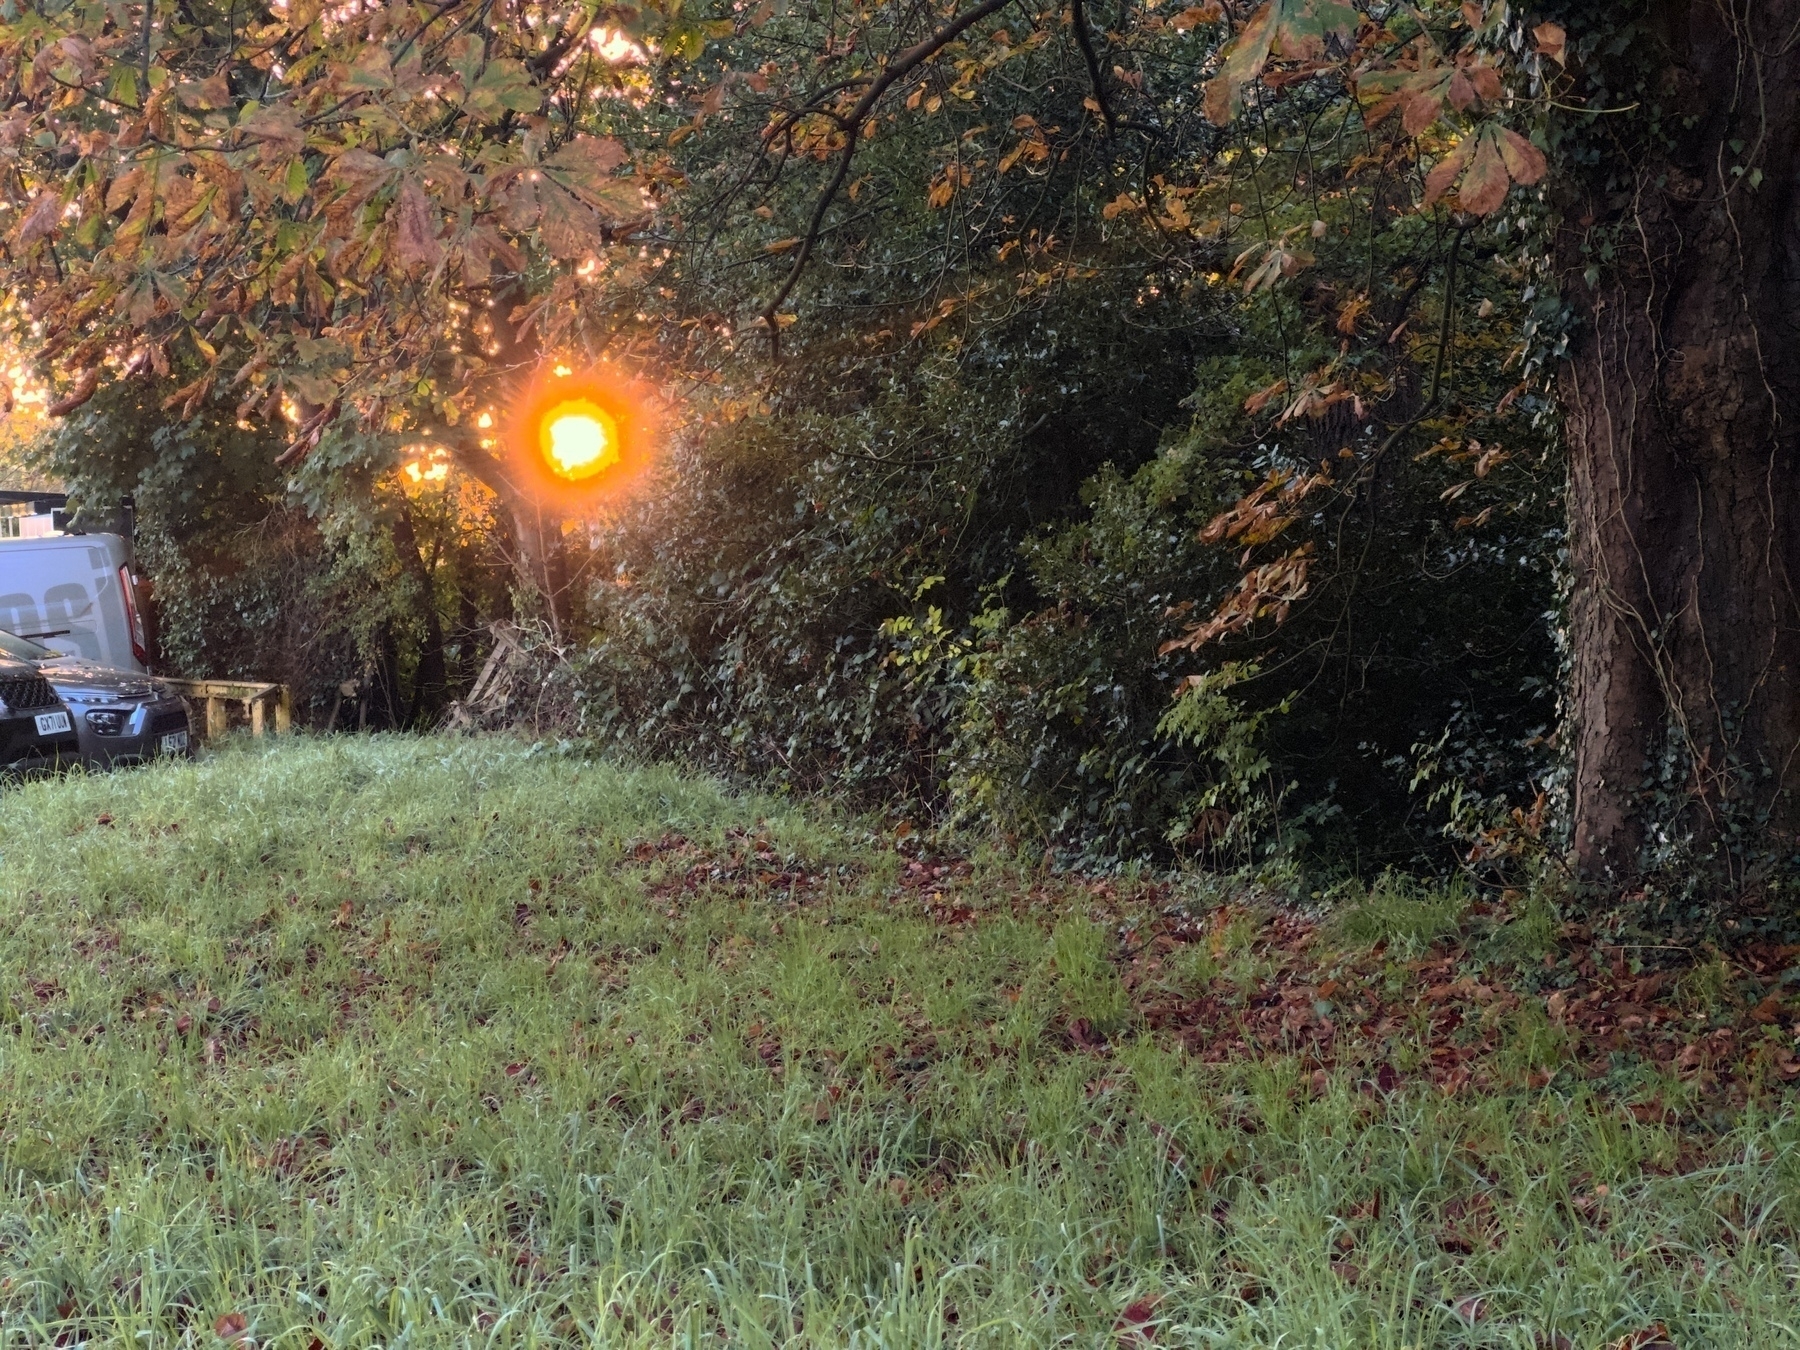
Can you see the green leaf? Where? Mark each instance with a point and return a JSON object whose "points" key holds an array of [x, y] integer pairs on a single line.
{"points": [[123, 87], [1294, 30], [465, 55], [294, 187], [505, 85], [1306, 24], [685, 41], [370, 71]]}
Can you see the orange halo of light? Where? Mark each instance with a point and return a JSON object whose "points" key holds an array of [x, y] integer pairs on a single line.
{"points": [[579, 437]]}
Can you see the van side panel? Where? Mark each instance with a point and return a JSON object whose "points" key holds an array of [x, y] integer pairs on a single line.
{"points": [[69, 619], [64, 592]]}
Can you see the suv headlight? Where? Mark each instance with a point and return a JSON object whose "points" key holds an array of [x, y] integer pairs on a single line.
{"points": [[109, 721]]}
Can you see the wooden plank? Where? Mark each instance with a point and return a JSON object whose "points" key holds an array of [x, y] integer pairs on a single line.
{"points": [[241, 690], [218, 718]]}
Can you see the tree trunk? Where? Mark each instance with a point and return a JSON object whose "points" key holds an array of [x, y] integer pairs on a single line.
{"points": [[540, 565], [1682, 392], [430, 685], [539, 557]]}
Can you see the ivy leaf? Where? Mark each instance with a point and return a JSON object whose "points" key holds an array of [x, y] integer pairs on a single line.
{"points": [[1295, 30]]}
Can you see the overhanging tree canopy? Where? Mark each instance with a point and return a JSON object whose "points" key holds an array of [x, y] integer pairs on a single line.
{"points": [[362, 215]]}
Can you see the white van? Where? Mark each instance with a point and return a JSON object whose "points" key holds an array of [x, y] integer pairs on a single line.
{"points": [[74, 593]]}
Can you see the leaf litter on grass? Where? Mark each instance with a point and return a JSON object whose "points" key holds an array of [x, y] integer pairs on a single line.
{"points": [[447, 1041]]}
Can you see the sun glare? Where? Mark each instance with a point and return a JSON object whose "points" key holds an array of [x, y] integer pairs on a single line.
{"points": [[579, 439]]}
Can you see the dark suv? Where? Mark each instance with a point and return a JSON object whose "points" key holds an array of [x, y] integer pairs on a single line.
{"points": [[121, 717], [36, 730]]}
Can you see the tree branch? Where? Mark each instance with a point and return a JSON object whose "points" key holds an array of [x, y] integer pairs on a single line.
{"points": [[144, 55], [898, 69], [1446, 327], [1084, 40], [547, 60], [465, 448]]}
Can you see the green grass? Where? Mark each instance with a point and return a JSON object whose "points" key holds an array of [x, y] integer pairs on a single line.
{"points": [[419, 1042]]}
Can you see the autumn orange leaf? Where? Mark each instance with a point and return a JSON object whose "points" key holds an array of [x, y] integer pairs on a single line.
{"points": [[1551, 41]]}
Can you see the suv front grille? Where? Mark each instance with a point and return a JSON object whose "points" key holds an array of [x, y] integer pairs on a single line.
{"points": [[168, 721], [27, 693]]}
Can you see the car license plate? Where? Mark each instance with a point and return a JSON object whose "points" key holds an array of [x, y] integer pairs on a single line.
{"points": [[174, 743], [49, 724]]}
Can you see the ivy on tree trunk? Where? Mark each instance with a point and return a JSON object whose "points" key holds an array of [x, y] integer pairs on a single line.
{"points": [[1682, 406]]}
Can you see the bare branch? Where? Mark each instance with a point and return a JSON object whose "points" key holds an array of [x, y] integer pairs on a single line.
{"points": [[1084, 40], [897, 69]]}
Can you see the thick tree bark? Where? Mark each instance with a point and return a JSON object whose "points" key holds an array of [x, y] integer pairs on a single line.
{"points": [[1682, 392]]}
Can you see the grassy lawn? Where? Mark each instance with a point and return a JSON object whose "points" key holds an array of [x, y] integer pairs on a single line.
{"points": [[412, 1041]]}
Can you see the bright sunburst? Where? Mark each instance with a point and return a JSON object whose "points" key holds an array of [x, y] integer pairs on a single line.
{"points": [[579, 439]]}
